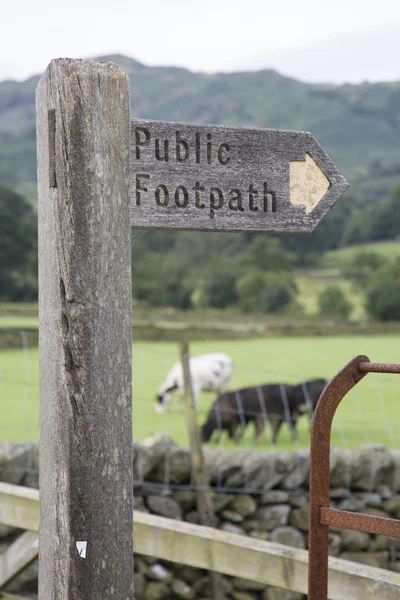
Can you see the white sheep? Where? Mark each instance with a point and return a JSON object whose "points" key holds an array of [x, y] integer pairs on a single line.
{"points": [[209, 373]]}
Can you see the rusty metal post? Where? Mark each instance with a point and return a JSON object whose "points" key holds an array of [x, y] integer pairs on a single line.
{"points": [[327, 404], [320, 515]]}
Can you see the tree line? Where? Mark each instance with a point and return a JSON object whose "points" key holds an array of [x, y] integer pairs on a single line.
{"points": [[252, 272]]}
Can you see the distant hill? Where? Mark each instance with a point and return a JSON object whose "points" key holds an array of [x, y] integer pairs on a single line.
{"points": [[358, 125]]}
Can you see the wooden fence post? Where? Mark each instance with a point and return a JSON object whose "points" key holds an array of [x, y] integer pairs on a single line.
{"points": [[204, 504], [85, 325]]}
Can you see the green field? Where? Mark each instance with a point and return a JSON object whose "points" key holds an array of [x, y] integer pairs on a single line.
{"points": [[370, 414], [19, 322], [336, 258], [311, 284]]}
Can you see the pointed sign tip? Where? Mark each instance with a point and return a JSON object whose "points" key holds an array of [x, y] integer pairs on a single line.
{"points": [[308, 183]]}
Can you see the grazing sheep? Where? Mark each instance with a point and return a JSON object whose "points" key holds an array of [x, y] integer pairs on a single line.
{"points": [[275, 403], [307, 395], [209, 373], [272, 402]]}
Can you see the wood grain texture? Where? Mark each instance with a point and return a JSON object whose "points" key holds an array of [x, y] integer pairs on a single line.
{"points": [[19, 507], [203, 498], [85, 332], [266, 562], [17, 557], [228, 179], [228, 553], [204, 503]]}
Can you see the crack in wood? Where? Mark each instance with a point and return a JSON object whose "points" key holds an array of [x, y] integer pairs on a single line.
{"points": [[71, 366], [52, 147]]}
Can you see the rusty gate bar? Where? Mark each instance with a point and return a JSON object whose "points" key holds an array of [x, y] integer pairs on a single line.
{"points": [[320, 514], [368, 367], [352, 520]]}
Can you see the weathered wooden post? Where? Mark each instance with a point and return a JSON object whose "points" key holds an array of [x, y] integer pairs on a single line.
{"points": [[83, 136], [204, 503], [203, 499]]}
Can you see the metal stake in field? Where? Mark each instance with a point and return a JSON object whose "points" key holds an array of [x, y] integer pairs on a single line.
{"points": [[85, 345]]}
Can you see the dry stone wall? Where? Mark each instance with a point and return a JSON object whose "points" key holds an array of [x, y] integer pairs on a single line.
{"points": [[260, 494]]}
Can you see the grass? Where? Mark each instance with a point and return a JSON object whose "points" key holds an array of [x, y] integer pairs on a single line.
{"points": [[369, 414], [311, 284], [18, 308], [19, 322], [18, 315], [19, 395], [336, 258]]}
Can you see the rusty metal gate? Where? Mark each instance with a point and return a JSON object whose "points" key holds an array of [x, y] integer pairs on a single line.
{"points": [[321, 516]]}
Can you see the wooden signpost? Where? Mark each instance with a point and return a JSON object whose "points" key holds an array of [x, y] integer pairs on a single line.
{"points": [[214, 178], [85, 332], [99, 174]]}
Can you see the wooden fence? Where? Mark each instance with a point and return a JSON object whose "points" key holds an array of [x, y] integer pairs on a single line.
{"points": [[201, 547]]}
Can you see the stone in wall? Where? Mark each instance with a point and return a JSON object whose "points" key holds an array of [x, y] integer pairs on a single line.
{"points": [[373, 559], [279, 594], [268, 518], [149, 454], [274, 497], [299, 518], [355, 540], [186, 498], [300, 472], [259, 471], [175, 468], [335, 544], [395, 483], [155, 590], [370, 467], [288, 536], [164, 506], [392, 506], [31, 478], [340, 468], [244, 505], [15, 461], [224, 469], [365, 480]]}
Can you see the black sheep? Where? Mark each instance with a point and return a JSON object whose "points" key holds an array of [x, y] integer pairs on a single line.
{"points": [[307, 395], [272, 402], [275, 403]]}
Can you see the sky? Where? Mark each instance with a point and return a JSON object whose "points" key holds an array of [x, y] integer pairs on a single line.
{"points": [[312, 40]]}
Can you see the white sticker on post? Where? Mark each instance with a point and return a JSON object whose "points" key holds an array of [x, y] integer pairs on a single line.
{"points": [[81, 547], [35, 544]]}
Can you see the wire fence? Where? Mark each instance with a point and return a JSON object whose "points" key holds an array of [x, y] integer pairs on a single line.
{"points": [[368, 415]]}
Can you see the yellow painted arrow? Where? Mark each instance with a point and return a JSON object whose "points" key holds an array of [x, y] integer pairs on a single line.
{"points": [[308, 183]]}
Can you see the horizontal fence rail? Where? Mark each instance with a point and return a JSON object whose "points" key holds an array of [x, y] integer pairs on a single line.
{"points": [[214, 550]]}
